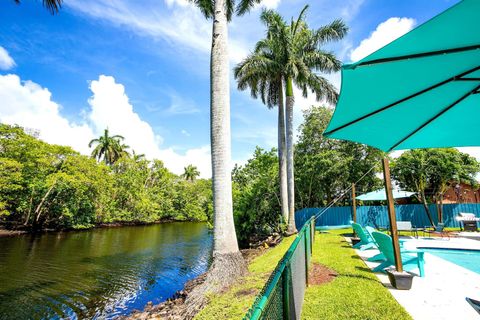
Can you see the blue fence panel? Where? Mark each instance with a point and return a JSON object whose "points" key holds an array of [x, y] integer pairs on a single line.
{"points": [[377, 216]]}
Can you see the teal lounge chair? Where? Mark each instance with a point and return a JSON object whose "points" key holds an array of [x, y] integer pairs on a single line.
{"points": [[409, 260], [366, 242], [380, 256], [377, 257]]}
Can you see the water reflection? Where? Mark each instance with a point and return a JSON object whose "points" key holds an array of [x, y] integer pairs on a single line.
{"points": [[99, 273]]}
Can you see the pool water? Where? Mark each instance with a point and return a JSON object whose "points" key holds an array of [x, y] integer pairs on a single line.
{"points": [[468, 259]]}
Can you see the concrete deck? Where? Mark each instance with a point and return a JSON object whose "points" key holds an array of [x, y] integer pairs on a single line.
{"points": [[441, 293]]}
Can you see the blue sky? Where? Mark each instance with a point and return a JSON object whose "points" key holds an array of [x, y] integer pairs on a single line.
{"points": [[141, 68]]}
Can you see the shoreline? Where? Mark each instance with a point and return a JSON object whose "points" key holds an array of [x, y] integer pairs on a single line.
{"points": [[4, 232], [173, 306]]}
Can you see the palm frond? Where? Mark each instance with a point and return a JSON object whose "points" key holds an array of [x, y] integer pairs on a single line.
{"points": [[300, 18], [206, 7], [53, 6], [332, 32]]}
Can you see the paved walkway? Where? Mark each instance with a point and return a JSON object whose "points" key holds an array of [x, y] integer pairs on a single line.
{"points": [[441, 293]]}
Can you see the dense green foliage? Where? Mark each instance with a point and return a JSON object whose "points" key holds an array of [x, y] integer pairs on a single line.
{"points": [[50, 186], [256, 197], [325, 168]]}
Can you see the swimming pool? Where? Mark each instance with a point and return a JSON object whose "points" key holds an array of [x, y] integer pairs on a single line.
{"points": [[469, 259]]}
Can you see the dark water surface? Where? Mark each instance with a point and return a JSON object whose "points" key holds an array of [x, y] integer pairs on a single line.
{"points": [[100, 273]]}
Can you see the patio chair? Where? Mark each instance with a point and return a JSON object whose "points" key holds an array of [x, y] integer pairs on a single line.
{"points": [[380, 256], [474, 303], [411, 259], [407, 226], [366, 242], [439, 229]]}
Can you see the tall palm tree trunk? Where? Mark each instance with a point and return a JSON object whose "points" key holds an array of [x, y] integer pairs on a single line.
{"points": [[228, 263], [290, 101], [282, 155], [225, 240]]}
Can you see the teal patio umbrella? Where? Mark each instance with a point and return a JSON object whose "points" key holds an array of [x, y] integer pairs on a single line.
{"points": [[380, 195], [420, 91]]}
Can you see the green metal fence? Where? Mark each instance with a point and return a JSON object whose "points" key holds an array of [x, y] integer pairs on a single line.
{"points": [[282, 295]]}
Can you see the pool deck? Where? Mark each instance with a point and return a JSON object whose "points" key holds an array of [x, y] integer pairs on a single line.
{"points": [[441, 293]]}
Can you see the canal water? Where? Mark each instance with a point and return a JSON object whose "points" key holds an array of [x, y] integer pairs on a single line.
{"points": [[101, 273]]}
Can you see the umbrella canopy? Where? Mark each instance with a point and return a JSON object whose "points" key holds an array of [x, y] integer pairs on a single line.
{"points": [[420, 91], [381, 195]]}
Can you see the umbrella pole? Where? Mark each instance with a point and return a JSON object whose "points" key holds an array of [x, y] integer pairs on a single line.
{"points": [[354, 204], [391, 214]]}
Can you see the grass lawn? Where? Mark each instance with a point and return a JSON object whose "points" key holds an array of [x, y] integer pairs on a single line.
{"points": [[234, 303], [355, 293]]}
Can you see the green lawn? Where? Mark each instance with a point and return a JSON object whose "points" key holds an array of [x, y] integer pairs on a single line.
{"points": [[355, 293], [234, 303]]}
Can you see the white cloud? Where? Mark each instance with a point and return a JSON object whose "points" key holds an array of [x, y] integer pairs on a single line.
{"points": [[268, 4], [385, 33], [181, 23], [29, 105], [180, 105], [110, 108], [6, 61], [182, 3], [185, 133]]}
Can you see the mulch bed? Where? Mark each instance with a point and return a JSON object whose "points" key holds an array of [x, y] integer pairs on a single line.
{"points": [[320, 274]]}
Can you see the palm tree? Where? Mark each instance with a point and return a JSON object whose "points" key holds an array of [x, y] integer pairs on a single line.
{"points": [[227, 259], [190, 173], [137, 157], [303, 58], [52, 5], [291, 54], [264, 76], [108, 147]]}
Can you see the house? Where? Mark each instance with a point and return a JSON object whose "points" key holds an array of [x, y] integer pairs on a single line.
{"points": [[462, 193]]}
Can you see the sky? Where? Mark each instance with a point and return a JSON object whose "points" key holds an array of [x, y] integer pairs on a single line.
{"points": [[141, 69]]}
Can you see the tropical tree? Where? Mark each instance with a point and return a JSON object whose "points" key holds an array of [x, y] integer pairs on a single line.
{"points": [[137, 156], [327, 167], [108, 147], [52, 5], [190, 173], [291, 55], [431, 172]]}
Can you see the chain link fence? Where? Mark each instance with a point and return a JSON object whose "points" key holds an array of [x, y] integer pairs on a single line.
{"points": [[282, 295]]}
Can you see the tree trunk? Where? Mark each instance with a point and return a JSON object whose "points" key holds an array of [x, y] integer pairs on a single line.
{"points": [[38, 210], [282, 156], [427, 209], [290, 176], [228, 263], [440, 208], [225, 240], [29, 207]]}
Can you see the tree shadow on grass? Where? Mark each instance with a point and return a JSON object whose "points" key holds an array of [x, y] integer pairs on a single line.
{"points": [[365, 269], [358, 276], [346, 234]]}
